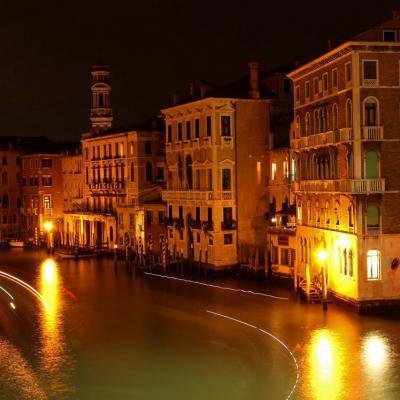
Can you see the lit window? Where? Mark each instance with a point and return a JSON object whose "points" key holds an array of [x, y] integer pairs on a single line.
{"points": [[373, 264], [286, 169], [273, 171]]}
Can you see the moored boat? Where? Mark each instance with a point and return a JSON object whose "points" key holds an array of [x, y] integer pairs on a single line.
{"points": [[16, 243]]}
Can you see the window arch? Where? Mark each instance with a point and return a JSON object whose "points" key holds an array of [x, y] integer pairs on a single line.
{"points": [[337, 213], [308, 124], [149, 172], [371, 112], [297, 127], [5, 201], [335, 117], [349, 114]]}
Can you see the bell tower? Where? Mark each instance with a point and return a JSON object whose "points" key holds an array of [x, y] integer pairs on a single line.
{"points": [[101, 113]]}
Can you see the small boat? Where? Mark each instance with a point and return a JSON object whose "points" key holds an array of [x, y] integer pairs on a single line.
{"points": [[69, 255], [16, 243]]}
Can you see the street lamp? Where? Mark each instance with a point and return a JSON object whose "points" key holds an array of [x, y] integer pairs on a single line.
{"points": [[48, 227], [322, 256]]}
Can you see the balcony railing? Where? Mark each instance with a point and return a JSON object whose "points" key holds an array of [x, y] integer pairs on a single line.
{"points": [[370, 82], [355, 186], [48, 211], [181, 194], [372, 133]]}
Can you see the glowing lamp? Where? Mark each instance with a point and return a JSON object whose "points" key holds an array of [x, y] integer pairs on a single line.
{"points": [[273, 220], [48, 226], [322, 255]]}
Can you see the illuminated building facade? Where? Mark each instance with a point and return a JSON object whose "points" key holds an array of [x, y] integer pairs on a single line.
{"points": [[10, 192], [42, 191], [345, 146], [216, 141], [72, 180]]}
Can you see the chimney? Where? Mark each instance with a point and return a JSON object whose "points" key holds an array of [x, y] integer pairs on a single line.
{"points": [[254, 91], [175, 99], [396, 14]]}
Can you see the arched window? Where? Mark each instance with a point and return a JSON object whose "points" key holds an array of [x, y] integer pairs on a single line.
{"points": [[339, 255], [101, 100], [318, 212], [111, 234], [372, 216], [350, 212], [123, 173], [345, 262], [149, 171], [335, 117], [4, 178], [132, 172], [349, 114], [327, 219], [189, 172], [350, 163], [316, 121], [308, 124], [350, 263], [373, 264], [299, 212], [371, 164], [297, 127], [337, 214], [5, 201], [371, 112]]}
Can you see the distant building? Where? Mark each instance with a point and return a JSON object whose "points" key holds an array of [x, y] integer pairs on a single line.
{"points": [[122, 177], [10, 192], [42, 191], [346, 145], [216, 144]]}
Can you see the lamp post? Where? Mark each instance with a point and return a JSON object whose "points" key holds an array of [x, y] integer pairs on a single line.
{"points": [[322, 255], [48, 227]]}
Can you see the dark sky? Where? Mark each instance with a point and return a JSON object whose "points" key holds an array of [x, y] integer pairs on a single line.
{"points": [[154, 48]]}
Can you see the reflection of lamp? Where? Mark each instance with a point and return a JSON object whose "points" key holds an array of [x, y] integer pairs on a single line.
{"points": [[48, 227], [322, 256]]}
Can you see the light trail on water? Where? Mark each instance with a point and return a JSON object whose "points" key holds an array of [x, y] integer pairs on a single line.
{"points": [[283, 344], [217, 286], [26, 286]]}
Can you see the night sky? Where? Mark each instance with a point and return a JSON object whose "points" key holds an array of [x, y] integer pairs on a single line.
{"points": [[154, 48]]}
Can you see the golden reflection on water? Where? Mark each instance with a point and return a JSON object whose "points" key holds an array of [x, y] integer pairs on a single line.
{"points": [[52, 349], [325, 366]]}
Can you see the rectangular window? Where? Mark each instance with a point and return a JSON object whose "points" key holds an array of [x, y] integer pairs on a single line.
{"points": [[180, 210], [46, 163], [188, 133], [325, 82], [170, 212], [308, 89], [273, 171], [227, 214], [160, 173], [284, 256], [169, 133], [228, 238], [116, 150], [226, 179], [208, 126], [286, 169], [370, 69], [161, 217], [179, 131], [315, 86], [197, 213], [334, 78], [348, 73], [209, 214], [47, 181], [298, 94], [149, 217], [389, 36], [131, 219], [197, 128], [86, 153], [47, 201], [147, 146], [225, 125], [373, 264]]}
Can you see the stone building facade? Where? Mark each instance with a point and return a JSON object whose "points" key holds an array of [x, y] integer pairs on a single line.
{"points": [[346, 143], [216, 141]]}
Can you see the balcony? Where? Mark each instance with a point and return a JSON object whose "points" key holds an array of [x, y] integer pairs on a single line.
{"points": [[207, 226], [204, 195], [372, 133], [48, 211], [370, 82], [346, 135], [195, 224], [354, 186], [228, 225]]}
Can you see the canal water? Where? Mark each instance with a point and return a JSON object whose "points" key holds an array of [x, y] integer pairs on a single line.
{"points": [[92, 331]]}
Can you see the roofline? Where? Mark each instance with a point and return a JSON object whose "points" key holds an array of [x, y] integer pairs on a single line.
{"points": [[337, 49], [117, 134], [42, 154], [205, 99]]}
